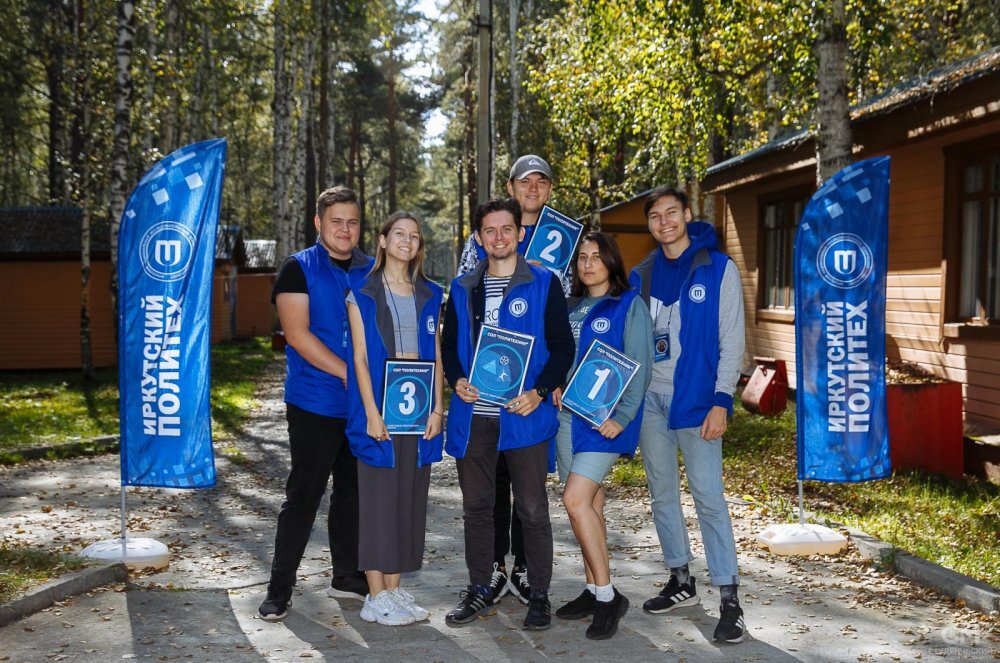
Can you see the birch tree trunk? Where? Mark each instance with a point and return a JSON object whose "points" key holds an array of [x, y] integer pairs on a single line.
{"points": [[303, 147], [168, 119], [834, 141], [327, 104], [281, 110], [122, 136], [515, 77], [54, 73], [392, 139]]}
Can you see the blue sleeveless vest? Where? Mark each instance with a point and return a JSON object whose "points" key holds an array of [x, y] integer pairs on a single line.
{"points": [[614, 310], [306, 386], [380, 345], [529, 288]]}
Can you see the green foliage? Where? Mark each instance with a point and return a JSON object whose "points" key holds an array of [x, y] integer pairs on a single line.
{"points": [[23, 567], [57, 406]]}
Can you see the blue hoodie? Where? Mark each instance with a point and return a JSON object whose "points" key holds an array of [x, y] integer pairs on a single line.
{"points": [[698, 294]]}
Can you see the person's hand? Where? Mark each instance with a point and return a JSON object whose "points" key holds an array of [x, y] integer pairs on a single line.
{"points": [[610, 429], [376, 427], [557, 397], [525, 403], [466, 391], [434, 423], [715, 423], [536, 263]]}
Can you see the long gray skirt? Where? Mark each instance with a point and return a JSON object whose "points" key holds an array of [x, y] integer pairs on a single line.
{"points": [[392, 506]]}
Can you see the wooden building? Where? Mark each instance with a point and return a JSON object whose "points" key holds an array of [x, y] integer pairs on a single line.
{"points": [[40, 270], [942, 132]]}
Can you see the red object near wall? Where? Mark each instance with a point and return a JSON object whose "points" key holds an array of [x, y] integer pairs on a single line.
{"points": [[767, 391], [925, 427]]}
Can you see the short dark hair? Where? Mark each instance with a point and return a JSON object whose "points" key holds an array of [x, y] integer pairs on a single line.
{"points": [[334, 195], [497, 205], [611, 256], [662, 192]]}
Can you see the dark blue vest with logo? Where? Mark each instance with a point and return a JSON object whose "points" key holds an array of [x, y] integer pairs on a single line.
{"points": [[306, 386]]}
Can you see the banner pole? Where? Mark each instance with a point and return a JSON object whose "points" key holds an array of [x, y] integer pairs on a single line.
{"points": [[124, 535], [802, 514]]}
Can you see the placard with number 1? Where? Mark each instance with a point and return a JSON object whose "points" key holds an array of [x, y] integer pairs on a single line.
{"points": [[408, 395], [599, 382]]}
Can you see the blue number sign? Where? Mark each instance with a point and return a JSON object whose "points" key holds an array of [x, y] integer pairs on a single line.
{"points": [[500, 364], [408, 395], [599, 382], [554, 240]]}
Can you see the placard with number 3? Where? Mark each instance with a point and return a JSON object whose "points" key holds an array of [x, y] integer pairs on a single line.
{"points": [[408, 395], [599, 382]]}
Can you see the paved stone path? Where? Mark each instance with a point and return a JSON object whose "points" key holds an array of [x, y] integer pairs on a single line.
{"points": [[203, 607]]}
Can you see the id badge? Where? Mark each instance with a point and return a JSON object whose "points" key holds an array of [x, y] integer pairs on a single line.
{"points": [[661, 347]]}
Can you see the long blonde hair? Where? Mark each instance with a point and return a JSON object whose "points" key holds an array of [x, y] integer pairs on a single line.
{"points": [[417, 262]]}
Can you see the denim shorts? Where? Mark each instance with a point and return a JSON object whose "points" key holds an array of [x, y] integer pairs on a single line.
{"points": [[595, 465]]}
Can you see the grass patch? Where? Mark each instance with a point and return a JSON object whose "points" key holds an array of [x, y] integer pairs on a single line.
{"points": [[952, 523], [21, 568], [52, 407]]}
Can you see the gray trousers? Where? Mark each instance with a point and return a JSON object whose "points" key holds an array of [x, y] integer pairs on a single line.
{"points": [[528, 469]]}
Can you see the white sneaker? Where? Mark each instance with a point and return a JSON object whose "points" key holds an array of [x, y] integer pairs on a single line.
{"points": [[407, 601], [386, 610]]}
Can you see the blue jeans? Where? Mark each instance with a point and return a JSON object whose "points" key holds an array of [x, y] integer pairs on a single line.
{"points": [[703, 464]]}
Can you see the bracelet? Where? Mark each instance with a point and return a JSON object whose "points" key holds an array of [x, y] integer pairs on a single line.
{"points": [[440, 414]]}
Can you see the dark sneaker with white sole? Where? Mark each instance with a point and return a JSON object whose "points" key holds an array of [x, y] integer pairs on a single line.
{"points": [[606, 616], [275, 606], [353, 586], [731, 627], [580, 607], [471, 606], [519, 586], [498, 583], [673, 596]]}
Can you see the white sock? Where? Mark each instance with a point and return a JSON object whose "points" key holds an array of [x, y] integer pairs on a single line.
{"points": [[605, 592], [592, 588]]}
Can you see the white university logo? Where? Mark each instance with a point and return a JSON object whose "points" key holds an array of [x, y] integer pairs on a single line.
{"points": [[600, 325], [518, 307], [844, 260], [431, 327], [697, 293], [166, 251]]}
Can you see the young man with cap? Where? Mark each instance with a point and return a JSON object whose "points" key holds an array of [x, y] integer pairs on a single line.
{"points": [[505, 291], [309, 294], [530, 184], [696, 301]]}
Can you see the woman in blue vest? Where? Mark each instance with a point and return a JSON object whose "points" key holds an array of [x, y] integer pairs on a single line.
{"points": [[601, 307], [393, 313]]}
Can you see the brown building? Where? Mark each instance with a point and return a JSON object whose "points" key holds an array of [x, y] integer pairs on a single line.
{"points": [[942, 133], [40, 270]]}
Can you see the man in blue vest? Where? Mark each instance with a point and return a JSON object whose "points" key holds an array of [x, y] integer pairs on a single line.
{"points": [[695, 298], [309, 294], [530, 184], [505, 291]]}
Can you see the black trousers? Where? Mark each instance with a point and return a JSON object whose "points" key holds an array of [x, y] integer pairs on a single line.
{"points": [[506, 525], [528, 468], [319, 448]]}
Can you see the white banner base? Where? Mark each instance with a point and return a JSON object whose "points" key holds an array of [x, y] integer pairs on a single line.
{"points": [[137, 553], [802, 539]]}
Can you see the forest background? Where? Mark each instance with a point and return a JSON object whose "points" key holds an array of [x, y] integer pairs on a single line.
{"points": [[618, 95]]}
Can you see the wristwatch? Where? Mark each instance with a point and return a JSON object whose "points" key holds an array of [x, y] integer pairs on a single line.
{"points": [[543, 392]]}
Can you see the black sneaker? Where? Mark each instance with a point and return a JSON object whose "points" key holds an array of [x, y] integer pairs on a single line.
{"points": [[353, 586], [580, 607], [498, 583], [731, 627], [539, 615], [606, 616], [472, 605], [275, 606], [673, 596], [519, 586]]}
